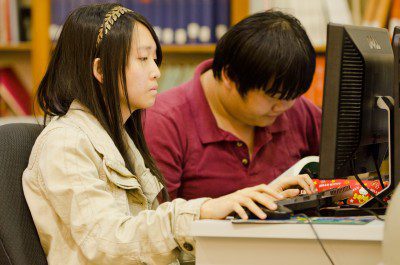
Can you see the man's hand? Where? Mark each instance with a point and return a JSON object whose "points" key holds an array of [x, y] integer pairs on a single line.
{"points": [[284, 185]]}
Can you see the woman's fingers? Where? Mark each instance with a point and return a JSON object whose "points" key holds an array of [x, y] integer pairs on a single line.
{"points": [[252, 206], [240, 211], [263, 199], [253, 200]]}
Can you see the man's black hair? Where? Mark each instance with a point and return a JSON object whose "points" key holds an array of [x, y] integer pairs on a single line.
{"points": [[266, 46]]}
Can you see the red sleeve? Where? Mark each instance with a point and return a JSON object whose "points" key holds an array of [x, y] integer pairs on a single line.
{"points": [[162, 137]]}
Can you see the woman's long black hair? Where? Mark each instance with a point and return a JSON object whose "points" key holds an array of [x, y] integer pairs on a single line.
{"points": [[69, 76]]}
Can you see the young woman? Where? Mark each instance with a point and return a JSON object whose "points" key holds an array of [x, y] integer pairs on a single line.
{"points": [[91, 184]]}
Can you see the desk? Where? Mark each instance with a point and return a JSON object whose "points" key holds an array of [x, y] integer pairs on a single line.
{"points": [[221, 242]]}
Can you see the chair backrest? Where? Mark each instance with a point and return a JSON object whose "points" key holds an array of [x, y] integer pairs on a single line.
{"points": [[19, 241]]}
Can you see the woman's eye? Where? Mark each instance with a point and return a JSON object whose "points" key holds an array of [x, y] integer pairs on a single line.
{"points": [[143, 59]]}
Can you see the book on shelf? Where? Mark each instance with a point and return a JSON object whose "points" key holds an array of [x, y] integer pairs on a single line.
{"points": [[376, 13], [157, 19], [181, 20], [356, 12], [169, 22], [193, 23], [382, 13], [175, 21], [206, 34], [4, 23], [14, 21], [13, 93], [221, 18]]}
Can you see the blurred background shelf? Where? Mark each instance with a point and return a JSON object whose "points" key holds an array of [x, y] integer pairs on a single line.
{"points": [[189, 49], [18, 47], [29, 58]]}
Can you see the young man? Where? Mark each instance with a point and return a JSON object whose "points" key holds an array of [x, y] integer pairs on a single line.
{"points": [[241, 120]]}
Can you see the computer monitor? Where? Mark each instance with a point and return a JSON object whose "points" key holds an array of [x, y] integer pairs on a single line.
{"points": [[355, 125]]}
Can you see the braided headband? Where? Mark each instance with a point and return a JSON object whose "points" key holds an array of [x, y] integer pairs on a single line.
{"points": [[109, 20]]}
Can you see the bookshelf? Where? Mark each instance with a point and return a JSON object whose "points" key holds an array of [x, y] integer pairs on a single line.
{"points": [[32, 57], [18, 47], [40, 46], [201, 49]]}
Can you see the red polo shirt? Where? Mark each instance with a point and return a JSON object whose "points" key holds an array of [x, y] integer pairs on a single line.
{"points": [[198, 159]]}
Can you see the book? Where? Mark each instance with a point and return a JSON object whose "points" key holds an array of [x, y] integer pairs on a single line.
{"points": [[169, 24], [182, 20], [221, 17], [14, 21], [24, 22], [381, 13], [206, 33], [356, 12], [157, 18], [339, 12], [14, 93], [369, 12], [193, 26], [3, 22]]}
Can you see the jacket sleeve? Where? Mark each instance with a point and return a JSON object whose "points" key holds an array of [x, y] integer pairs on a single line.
{"points": [[163, 138], [69, 176]]}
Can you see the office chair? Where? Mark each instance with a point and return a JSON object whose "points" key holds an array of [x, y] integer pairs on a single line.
{"points": [[19, 241]]}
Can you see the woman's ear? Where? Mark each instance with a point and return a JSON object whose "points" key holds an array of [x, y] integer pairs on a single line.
{"points": [[97, 70]]}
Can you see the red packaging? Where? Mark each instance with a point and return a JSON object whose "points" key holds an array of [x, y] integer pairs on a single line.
{"points": [[360, 195]]}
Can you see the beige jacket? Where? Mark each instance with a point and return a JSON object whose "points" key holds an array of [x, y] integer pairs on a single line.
{"points": [[89, 208]]}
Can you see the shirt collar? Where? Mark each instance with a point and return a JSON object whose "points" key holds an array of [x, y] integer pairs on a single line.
{"points": [[204, 119]]}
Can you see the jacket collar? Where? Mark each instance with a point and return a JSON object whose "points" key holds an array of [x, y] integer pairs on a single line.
{"points": [[102, 142]]}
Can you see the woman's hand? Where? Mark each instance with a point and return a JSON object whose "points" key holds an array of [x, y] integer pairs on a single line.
{"points": [[283, 185], [221, 207], [263, 194]]}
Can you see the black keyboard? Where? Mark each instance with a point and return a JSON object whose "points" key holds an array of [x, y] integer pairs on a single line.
{"points": [[318, 200]]}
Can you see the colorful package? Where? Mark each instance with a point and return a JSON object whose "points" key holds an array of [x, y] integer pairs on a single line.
{"points": [[360, 195]]}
